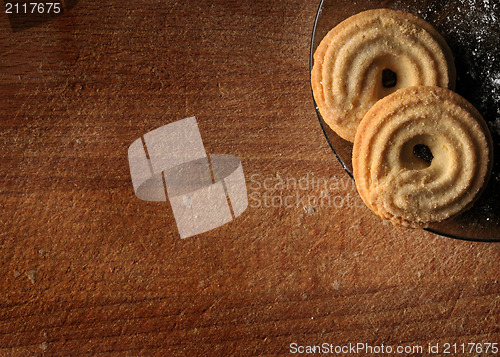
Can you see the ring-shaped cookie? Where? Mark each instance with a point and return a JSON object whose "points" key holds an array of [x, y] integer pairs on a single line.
{"points": [[371, 55], [402, 185]]}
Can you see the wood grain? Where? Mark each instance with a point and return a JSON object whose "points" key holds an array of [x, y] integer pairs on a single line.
{"points": [[88, 269]]}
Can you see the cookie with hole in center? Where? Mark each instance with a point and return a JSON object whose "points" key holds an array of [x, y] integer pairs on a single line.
{"points": [[371, 55], [421, 155]]}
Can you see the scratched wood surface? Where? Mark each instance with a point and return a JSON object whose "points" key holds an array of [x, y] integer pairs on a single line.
{"points": [[88, 269]]}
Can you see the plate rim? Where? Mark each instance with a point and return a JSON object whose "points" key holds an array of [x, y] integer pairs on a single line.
{"points": [[344, 166]]}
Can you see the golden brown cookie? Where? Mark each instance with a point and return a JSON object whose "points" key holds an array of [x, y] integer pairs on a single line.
{"points": [[371, 55], [404, 186]]}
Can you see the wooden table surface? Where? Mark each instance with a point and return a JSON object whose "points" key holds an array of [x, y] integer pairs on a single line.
{"points": [[89, 269]]}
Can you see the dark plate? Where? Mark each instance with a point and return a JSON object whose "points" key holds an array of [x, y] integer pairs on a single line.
{"points": [[472, 30]]}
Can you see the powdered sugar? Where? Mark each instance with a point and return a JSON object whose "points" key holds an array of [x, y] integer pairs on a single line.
{"points": [[472, 29]]}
